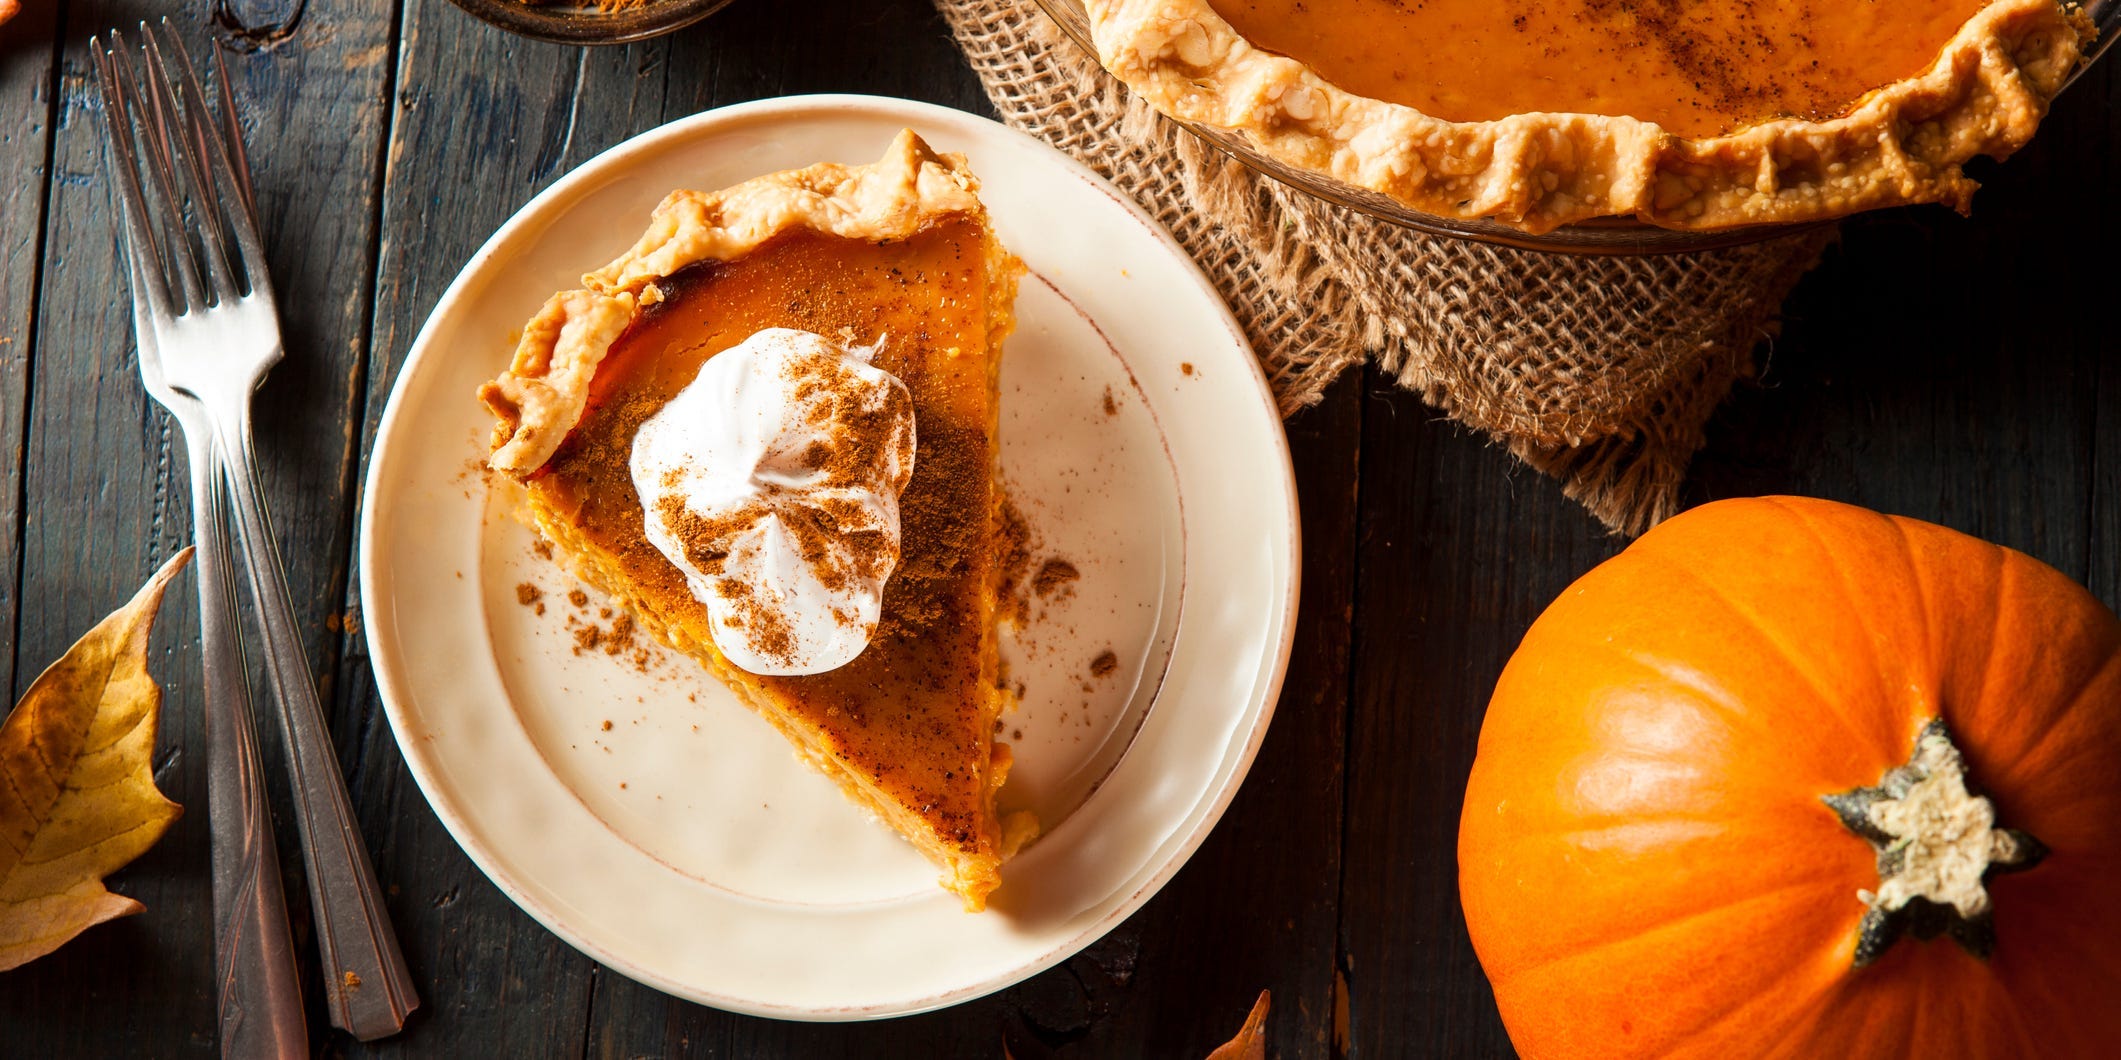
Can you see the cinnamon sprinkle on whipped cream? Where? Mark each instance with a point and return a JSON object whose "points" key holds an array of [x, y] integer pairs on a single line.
{"points": [[772, 481]]}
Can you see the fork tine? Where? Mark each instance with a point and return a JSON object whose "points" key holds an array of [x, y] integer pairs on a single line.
{"points": [[232, 134], [228, 189], [151, 283], [147, 344], [184, 126], [153, 125]]}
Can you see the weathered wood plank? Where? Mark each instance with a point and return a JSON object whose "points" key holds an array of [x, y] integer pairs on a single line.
{"points": [[2102, 160], [105, 485], [1459, 551], [2102, 540], [101, 489], [28, 96], [315, 106], [755, 51], [27, 111]]}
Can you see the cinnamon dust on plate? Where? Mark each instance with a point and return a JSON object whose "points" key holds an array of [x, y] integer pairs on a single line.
{"points": [[615, 636], [1054, 576], [1013, 544], [1106, 662]]}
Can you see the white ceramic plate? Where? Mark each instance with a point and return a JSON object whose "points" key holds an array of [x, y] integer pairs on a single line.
{"points": [[633, 807]]}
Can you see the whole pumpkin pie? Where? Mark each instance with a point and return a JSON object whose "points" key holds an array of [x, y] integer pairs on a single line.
{"points": [[1695, 114], [769, 429]]}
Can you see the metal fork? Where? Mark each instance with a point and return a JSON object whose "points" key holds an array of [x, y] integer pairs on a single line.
{"points": [[260, 1011], [205, 313]]}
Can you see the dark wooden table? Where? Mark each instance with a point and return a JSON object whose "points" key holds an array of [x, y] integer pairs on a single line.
{"points": [[1954, 370]]}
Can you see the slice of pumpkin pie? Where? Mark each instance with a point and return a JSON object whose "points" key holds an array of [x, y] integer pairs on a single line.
{"points": [[769, 429]]}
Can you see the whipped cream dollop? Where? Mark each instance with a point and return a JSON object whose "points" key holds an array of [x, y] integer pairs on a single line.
{"points": [[772, 481]]}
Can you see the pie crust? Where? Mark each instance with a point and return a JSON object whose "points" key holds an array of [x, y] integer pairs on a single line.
{"points": [[907, 728], [1901, 143], [542, 394]]}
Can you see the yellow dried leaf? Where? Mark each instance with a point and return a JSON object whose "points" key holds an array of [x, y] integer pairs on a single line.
{"points": [[77, 787], [1251, 1040]]}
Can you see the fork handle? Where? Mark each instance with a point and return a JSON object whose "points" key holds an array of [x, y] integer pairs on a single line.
{"points": [[368, 990], [258, 989]]}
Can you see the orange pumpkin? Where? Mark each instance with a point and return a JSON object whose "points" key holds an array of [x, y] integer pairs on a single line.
{"points": [[1788, 778]]}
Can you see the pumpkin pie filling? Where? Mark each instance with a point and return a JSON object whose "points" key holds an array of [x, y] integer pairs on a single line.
{"points": [[904, 713], [1699, 68], [1690, 114], [895, 256]]}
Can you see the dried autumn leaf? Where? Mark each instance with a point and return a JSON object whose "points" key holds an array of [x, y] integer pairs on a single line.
{"points": [[77, 788], [1251, 1040]]}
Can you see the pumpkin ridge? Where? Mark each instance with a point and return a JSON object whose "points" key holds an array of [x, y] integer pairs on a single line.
{"points": [[1917, 575], [2103, 961], [1715, 1016], [1807, 1020], [1832, 558], [1790, 1025], [1576, 837], [1999, 595], [2053, 805], [1719, 702], [2029, 1043], [1553, 960], [2036, 750], [1632, 815], [1758, 628]]}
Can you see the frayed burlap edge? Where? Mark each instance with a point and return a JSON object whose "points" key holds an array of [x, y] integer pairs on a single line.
{"points": [[1601, 372]]}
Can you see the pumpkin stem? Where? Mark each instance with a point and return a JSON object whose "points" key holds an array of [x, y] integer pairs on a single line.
{"points": [[1937, 844]]}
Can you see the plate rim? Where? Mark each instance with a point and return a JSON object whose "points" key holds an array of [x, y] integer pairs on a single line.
{"points": [[392, 686]]}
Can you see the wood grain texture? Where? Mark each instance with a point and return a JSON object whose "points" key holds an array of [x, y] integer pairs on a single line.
{"points": [[1459, 551], [1954, 370], [2094, 151], [28, 58], [105, 489], [312, 85], [103, 497]]}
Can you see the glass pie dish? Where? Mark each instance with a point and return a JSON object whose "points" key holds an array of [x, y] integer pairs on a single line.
{"points": [[1611, 235]]}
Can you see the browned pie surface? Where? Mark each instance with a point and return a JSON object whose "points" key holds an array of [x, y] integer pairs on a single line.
{"points": [[1699, 68], [913, 711]]}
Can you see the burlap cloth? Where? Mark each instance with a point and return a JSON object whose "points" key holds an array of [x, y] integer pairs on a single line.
{"points": [[1601, 372]]}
